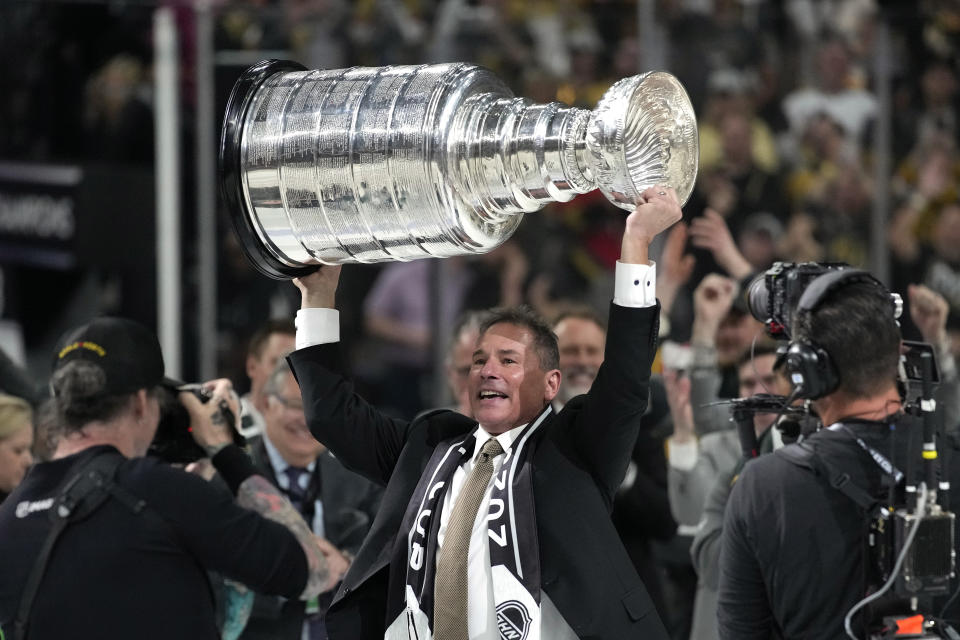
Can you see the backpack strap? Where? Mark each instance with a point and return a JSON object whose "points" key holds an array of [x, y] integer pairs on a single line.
{"points": [[84, 493], [803, 455]]}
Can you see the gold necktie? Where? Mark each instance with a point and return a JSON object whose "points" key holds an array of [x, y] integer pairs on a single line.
{"points": [[450, 584]]}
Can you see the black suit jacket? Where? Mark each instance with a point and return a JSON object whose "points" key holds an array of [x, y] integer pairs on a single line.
{"points": [[350, 503], [578, 464]]}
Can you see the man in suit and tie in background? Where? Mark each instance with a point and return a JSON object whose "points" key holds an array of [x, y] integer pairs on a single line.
{"points": [[267, 345], [498, 524], [339, 505]]}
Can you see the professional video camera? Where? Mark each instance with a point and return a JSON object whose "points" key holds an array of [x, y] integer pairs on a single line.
{"points": [[173, 442], [911, 532], [773, 295]]}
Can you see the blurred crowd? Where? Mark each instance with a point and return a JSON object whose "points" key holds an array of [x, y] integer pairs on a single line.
{"points": [[789, 119], [789, 123]]}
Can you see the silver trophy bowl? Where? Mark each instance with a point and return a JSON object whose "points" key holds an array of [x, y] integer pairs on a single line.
{"points": [[374, 164]]}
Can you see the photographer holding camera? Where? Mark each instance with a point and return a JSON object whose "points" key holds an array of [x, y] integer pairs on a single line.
{"points": [[103, 542], [794, 556]]}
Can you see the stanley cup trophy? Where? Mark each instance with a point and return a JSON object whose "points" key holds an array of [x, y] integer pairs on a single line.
{"points": [[405, 162]]}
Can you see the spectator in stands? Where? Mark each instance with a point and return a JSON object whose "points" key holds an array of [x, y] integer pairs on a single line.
{"points": [[759, 240], [710, 232], [925, 183], [268, 346], [16, 440], [118, 118], [937, 266], [934, 114], [836, 226], [835, 93], [824, 148], [731, 91], [735, 188]]}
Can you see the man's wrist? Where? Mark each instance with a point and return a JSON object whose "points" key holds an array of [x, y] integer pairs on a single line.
{"points": [[315, 301], [703, 334], [635, 250]]}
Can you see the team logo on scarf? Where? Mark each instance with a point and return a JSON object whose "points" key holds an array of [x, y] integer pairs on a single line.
{"points": [[513, 620]]}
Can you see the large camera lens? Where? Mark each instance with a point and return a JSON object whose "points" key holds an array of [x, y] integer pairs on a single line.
{"points": [[758, 298]]}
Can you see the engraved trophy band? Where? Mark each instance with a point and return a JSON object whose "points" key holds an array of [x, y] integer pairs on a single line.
{"points": [[373, 164]]}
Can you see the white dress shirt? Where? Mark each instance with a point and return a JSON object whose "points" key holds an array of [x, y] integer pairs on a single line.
{"points": [[634, 286]]}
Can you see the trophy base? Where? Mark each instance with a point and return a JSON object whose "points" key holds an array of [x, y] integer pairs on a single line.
{"points": [[231, 187]]}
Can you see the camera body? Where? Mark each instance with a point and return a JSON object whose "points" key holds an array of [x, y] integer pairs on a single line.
{"points": [[772, 297], [173, 442]]}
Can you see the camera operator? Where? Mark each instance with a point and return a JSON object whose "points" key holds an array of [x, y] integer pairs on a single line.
{"points": [[103, 542], [793, 553]]}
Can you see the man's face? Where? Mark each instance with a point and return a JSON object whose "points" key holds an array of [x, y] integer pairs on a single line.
{"points": [[286, 426], [260, 367], [757, 376], [15, 457], [581, 344], [507, 385]]}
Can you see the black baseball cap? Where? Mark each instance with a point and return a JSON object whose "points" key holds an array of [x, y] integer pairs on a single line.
{"points": [[127, 352]]}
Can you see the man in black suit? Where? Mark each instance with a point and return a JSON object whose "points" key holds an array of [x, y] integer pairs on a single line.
{"points": [[339, 505], [502, 528]]}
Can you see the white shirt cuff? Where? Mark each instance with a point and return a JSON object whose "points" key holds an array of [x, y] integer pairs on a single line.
{"points": [[683, 456], [317, 326], [635, 285]]}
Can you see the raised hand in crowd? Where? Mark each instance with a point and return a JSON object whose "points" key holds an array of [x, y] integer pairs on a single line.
{"points": [[712, 300], [929, 310], [710, 232]]}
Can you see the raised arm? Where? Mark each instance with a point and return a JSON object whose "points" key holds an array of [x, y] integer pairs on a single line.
{"points": [[362, 438], [712, 300], [606, 427]]}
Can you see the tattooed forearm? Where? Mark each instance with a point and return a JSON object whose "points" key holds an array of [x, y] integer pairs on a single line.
{"points": [[257, 494]]}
